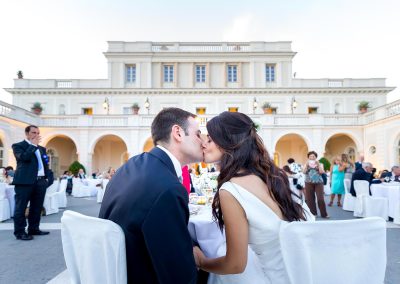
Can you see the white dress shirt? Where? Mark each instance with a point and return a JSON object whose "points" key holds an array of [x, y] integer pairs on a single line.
{"points": [[39, 158], [175, 162]]}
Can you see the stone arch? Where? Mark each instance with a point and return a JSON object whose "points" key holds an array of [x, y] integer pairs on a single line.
{"points": [[339, 143], [109, 150], [99, 136], [62, 151], [148, 145], [291, 145]]}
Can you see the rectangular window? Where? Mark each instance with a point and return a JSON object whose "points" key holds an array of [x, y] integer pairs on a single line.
{"points": [[274, 110], [168, 73], [233, 109], [200, 73], [312, 110], [200, 110], [130, 73], [232, 73], [87, 110], [270, 73], [126, 110]]}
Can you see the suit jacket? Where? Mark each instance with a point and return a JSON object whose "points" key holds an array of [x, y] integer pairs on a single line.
{"points": [[360, 174], [358, 166], [27, 164], [147, 200]]}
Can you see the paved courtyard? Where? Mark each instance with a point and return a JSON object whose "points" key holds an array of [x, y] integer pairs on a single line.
{"points": [[41, 260]]}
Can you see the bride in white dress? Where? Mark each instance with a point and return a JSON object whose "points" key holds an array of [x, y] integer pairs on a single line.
{"points": [[254, 199]]}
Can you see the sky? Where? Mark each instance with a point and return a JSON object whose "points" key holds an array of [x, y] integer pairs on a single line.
{"points": [[65, 39]]}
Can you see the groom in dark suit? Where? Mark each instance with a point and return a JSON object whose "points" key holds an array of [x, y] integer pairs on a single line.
{"points": [[31, 179], [146, 198]]}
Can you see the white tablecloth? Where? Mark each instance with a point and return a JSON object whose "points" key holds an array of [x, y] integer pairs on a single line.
{"points": [[392, 192], [10, 194]]}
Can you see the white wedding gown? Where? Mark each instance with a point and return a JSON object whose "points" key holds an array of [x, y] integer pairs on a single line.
{"points": [[265, 262]]}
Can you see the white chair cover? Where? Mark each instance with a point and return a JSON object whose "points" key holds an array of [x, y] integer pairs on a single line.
{"points": [[79, 189], [5, 212], [332, 252], [94, 249], [349, 200], [50, 202], [366, 205], [102, 190], [61, 194]]}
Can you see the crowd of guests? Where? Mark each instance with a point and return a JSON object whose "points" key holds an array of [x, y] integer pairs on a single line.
{"points": [[81, 174], [312, 177]]}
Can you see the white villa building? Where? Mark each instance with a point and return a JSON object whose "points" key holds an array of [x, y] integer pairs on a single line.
{"points": [[92, 120]]}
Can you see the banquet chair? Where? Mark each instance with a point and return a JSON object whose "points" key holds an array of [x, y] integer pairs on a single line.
{"points": [[356, 249], [79, 189], [94, 249], [5, 212], [61, 194], [102, 190], [369, 206], [348, 200], [50, 202]]}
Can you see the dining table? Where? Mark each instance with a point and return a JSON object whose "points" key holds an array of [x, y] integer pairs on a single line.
{"points": [[391, 191]]}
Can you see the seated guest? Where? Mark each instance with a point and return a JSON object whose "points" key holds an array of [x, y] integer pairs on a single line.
{"points": [[365, 173], [96, 174], [393, 175], [81, 174], [3, 175], [383, 173]]}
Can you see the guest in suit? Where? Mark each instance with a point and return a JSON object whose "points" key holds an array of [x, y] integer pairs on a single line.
{"points": [[365, 173], [147, 199], [32, 177], [358, 164], [393, 175]]}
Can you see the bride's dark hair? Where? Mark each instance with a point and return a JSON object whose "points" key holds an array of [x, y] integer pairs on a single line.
{"points": [[244, 154]]}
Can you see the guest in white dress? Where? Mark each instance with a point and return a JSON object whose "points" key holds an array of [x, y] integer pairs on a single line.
{"points": [[254, 199]]}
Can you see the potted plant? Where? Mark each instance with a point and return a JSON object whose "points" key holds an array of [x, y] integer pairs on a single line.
{"points": [[267, 108], [363, 106], [135, 108], [20, 74], [37, 108]]}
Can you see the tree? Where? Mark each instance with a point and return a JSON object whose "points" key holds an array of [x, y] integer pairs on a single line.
{"points": [[75, 166]]}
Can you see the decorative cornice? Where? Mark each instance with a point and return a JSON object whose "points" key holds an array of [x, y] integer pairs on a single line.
{"points": [[222, 91]]}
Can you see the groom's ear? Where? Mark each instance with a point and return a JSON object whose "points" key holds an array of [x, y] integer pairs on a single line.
{"points": [[176, 133]]}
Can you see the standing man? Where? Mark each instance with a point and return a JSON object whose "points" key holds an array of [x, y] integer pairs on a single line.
{"points": [[32, 177], [147, 199], [358, 164]]}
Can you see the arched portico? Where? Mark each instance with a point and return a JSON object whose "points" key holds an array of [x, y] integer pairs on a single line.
{"points": [[290, 145], [62, 152], [341, 143], [109, 151]]}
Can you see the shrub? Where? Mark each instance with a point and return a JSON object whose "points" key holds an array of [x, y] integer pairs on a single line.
{"points": [[326, 163], [75, 166]]}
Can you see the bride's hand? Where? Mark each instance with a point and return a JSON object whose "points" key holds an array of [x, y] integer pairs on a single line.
{"points": [[198, 256]]}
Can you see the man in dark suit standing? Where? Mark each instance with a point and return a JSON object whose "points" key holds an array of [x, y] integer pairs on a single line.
{"points": [[365, 173], [358, 164], [146, 198], [30, 180]]}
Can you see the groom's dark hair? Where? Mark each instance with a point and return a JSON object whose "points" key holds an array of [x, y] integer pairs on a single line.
{"points": [[165, 119]]}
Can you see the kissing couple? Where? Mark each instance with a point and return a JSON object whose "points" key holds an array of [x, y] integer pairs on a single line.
{"points": [[146, 198]]}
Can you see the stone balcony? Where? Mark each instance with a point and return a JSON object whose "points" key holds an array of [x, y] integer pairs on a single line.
{"points": [[144, 121]]}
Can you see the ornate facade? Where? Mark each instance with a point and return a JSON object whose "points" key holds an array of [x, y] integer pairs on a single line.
{"points": [[92, 120]]}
